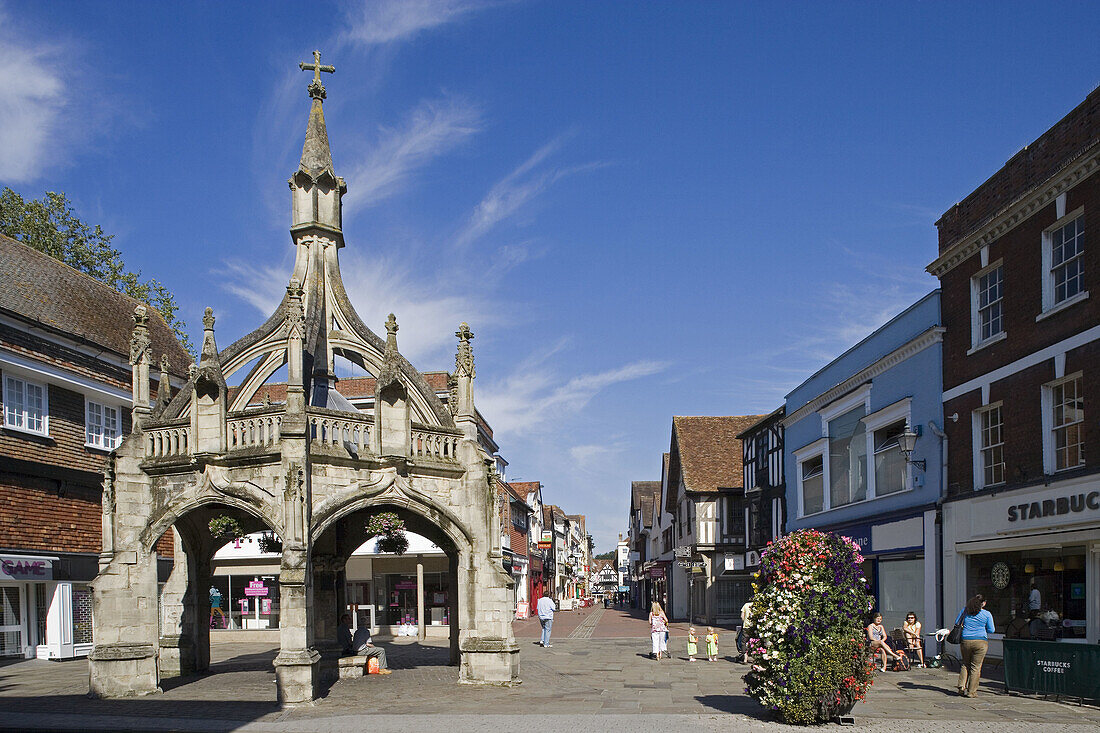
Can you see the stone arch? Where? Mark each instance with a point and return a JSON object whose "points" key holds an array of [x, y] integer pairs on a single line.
{"points": [[176, 510]]}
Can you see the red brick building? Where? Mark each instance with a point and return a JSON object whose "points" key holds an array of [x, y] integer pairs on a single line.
{"points": [[66, 400], [1017, 260]]}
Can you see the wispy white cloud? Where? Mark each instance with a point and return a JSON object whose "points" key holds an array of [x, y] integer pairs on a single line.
{"points": [[515, 190], [379, 22], [33, 98], [427, 305], [534, 398], [433, 128]]}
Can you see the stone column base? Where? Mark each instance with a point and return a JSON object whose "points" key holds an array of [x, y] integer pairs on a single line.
{"points": [[123, 670], [296, 673], [177, 656], [488, 661]]}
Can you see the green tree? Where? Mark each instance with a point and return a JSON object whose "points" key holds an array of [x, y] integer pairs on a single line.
{"points": [[609, 555], [49, 225]]}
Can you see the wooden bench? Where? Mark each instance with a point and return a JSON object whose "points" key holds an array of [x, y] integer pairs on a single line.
{"points": [[353, 667]]}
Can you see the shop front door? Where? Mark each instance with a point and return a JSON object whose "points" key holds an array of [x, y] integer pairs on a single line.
{"points": [[11, 621]]}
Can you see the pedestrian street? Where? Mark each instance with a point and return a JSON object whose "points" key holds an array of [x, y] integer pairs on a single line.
{"points": [[596, 674]]}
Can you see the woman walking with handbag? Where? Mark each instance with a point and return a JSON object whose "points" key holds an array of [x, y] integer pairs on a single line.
{"points": [[977, 623]]}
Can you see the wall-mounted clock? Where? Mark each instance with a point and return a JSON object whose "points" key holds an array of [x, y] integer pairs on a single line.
{"points": [[1000, 575]]}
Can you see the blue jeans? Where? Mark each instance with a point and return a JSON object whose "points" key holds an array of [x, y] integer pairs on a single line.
{"points": [[547, 623]]}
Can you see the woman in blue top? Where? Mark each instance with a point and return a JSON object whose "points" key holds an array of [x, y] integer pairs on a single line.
{"points": [[977, 623]]}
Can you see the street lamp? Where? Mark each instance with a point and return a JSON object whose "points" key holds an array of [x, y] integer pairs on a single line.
{"points": [[906, 442]]}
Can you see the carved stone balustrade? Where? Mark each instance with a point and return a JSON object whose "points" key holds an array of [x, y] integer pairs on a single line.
{"points": [[254, 429], [168, 440], [341, 429], [436, 443]]}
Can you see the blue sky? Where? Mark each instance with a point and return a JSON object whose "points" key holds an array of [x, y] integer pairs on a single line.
{"points": [[642, 209]]}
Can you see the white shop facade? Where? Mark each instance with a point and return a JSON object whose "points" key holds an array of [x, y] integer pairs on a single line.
{"points": [[382, 590], [1037, 546], [45, 605]]}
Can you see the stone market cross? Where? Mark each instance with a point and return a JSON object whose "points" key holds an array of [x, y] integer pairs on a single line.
{"points": [[311, 469]]}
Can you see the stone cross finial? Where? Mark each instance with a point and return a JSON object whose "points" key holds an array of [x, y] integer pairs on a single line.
{"points": [[208, 319], [391, 325], [464, 359], [316, 88]]}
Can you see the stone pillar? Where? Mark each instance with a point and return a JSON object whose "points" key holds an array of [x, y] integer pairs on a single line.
{"points": [[452, 608], [326, 609], [177, 649], [420, 634], [123, 662], [297, 664]]}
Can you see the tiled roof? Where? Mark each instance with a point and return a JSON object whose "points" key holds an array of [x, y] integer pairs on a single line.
{"points": [[643, 494], [775, 414], [708, 451], [40, 288]]}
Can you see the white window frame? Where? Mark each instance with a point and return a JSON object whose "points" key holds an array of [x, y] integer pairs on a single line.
{"points": [[1050, 461], [108, 445], [979, 448], [45, 431], [1049, 306], [872, 421], [976, 340], [818, 448]]}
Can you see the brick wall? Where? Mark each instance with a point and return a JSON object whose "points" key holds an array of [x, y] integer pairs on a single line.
{"points": [[64, 446], [1024, 171], [48, 516], [1021, 252], [1021, 395]]}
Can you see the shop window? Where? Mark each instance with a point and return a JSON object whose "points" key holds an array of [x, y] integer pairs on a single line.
{"points": [[25, 406], [11, 622], [847, 459], [82, 614], [41, 611], [991, 446], [987, 296], [244, 602], [1067, 417], [1063, 261], [813, 485], [1008, 581], [890, 468], [729, 596], [101, 426]]}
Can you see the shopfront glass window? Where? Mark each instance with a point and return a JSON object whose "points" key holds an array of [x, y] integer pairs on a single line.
{"points": [[82, 614], [1032, 594], [11, 634], [401, 605], [847, 459], [244, 602], [889, 463]]}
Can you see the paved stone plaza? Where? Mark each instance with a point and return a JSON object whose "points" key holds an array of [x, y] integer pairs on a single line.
{"points": [[596, 675]]}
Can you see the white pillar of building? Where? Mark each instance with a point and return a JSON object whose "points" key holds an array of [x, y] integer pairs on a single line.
{"points": [[420, 634]]}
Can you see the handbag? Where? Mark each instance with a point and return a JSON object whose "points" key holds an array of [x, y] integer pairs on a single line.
{"points": [[373, 667], [956, 634]]}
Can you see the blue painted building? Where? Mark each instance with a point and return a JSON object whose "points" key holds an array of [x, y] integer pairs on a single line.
{"points": [[845, 469]]}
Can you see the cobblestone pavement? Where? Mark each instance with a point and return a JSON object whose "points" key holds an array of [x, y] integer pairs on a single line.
{"points": [[604, 682]]}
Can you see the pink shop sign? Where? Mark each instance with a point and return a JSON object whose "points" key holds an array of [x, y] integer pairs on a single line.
{"points": [[256, 588], [25, 568]]}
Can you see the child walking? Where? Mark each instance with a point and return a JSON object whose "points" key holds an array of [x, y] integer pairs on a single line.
{"points": [[693, 644], [712, 644]]}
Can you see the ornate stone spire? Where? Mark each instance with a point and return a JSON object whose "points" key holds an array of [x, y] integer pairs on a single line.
{"points": [[316, 156], [315, 187], [141, 356], [209, 351], [391, 370], [464, 359]]}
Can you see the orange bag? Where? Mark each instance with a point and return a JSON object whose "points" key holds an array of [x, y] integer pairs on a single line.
{"points": [[372, 666]]}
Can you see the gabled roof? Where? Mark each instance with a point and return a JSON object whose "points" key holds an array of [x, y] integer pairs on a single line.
{"points": [[39, 288], [766, 420], [705, 454], [643, 494]]}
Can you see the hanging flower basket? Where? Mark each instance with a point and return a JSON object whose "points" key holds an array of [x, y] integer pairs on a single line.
{"points": [[391, 529], [810, 662], [270, 542], [225, 528]]}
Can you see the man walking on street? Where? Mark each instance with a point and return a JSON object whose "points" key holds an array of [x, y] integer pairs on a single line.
{"points": [[545, 608]]}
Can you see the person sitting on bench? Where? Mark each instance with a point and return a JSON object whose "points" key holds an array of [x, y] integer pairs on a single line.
{"points": [[360, 644]]}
